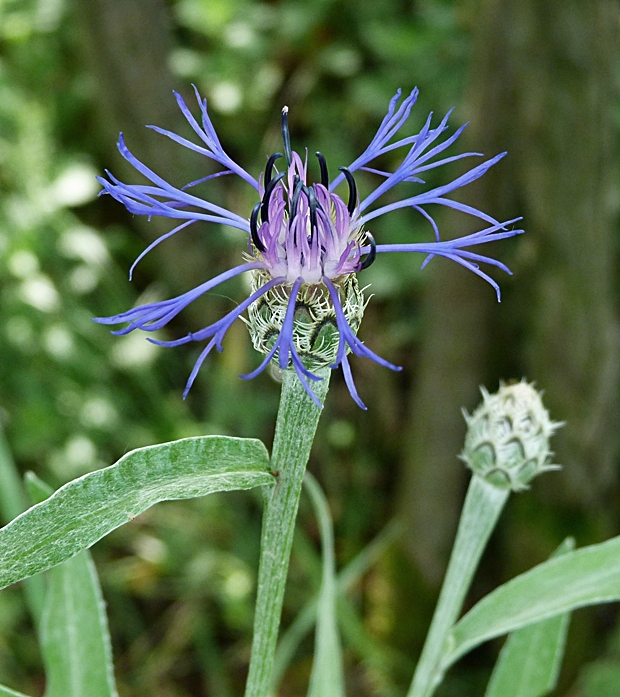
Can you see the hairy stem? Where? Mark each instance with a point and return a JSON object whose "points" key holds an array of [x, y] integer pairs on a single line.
{"points": [[483, 504], [297, 420]]}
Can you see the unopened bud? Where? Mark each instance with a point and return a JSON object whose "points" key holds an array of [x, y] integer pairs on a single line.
{"points": [[507, 441], [315, 329]]}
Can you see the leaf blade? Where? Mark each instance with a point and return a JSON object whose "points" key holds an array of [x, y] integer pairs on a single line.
{"points": [[74, 633], [587, 576], [7, 692], [350, 574], [529, 663], [327, 678], [88, 508]]}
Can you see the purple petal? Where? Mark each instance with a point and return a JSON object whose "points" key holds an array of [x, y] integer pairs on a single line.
{"points": [[197, 365], [346, 333], [205, 179], [435, 195], [155, 315], [348, 378], [263, 365], [390, 125], [177, 194], [154, 244], [286, 333]]}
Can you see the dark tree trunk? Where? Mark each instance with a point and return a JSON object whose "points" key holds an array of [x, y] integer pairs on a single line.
{"points": [[126, 45], [567, 175], [542, 87]]}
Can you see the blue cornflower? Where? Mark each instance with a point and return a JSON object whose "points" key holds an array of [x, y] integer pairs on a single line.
{"points": [[305, 245]]}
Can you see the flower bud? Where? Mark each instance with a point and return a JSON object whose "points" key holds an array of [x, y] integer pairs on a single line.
{"points": [[315, 333], [507, 441]]}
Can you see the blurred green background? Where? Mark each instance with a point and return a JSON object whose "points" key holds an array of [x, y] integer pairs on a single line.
{"points": [[537, 78]]}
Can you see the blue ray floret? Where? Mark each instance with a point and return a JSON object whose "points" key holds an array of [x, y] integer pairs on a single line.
{"points": [[305, 244]]}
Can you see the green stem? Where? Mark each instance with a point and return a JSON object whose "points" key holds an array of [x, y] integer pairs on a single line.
{"points": [[13, 501], [298, 417], [483, 504]]}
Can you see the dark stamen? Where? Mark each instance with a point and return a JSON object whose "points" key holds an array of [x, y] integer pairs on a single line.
{"points": [[352, 190], [254, 229], [269, 167], [323, 165], [312, 204], [370, 257], [286, 137], [297, 187], [264, 213]]}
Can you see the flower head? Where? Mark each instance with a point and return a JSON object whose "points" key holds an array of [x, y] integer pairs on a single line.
{"points": [[507, 441], [305, 244]]}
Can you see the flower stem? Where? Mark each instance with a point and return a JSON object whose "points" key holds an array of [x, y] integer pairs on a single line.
{"points": [[298, 417], [483, 504]]}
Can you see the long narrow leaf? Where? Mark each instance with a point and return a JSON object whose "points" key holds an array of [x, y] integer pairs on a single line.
{"points": [[529, 663], [327, 679], [585, 577], [6, 692], [291, 639], [74, 629], [380, 660], [303, 623], [38, 490], [74, 633], [600, 679], [12, 497], [13, 501], [86, 509]]}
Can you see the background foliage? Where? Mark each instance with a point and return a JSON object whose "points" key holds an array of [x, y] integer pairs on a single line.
{"points": [[179, 579]]}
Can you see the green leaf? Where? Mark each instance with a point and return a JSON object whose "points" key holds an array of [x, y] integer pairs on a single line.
{"points": [[600, 679], [303, 622], [74, 633], [327, 678], [86, 509], [13, 502], [529, 663], [6, 692], [585, 577], [37, 489], [12, 499], [74, 630]]}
